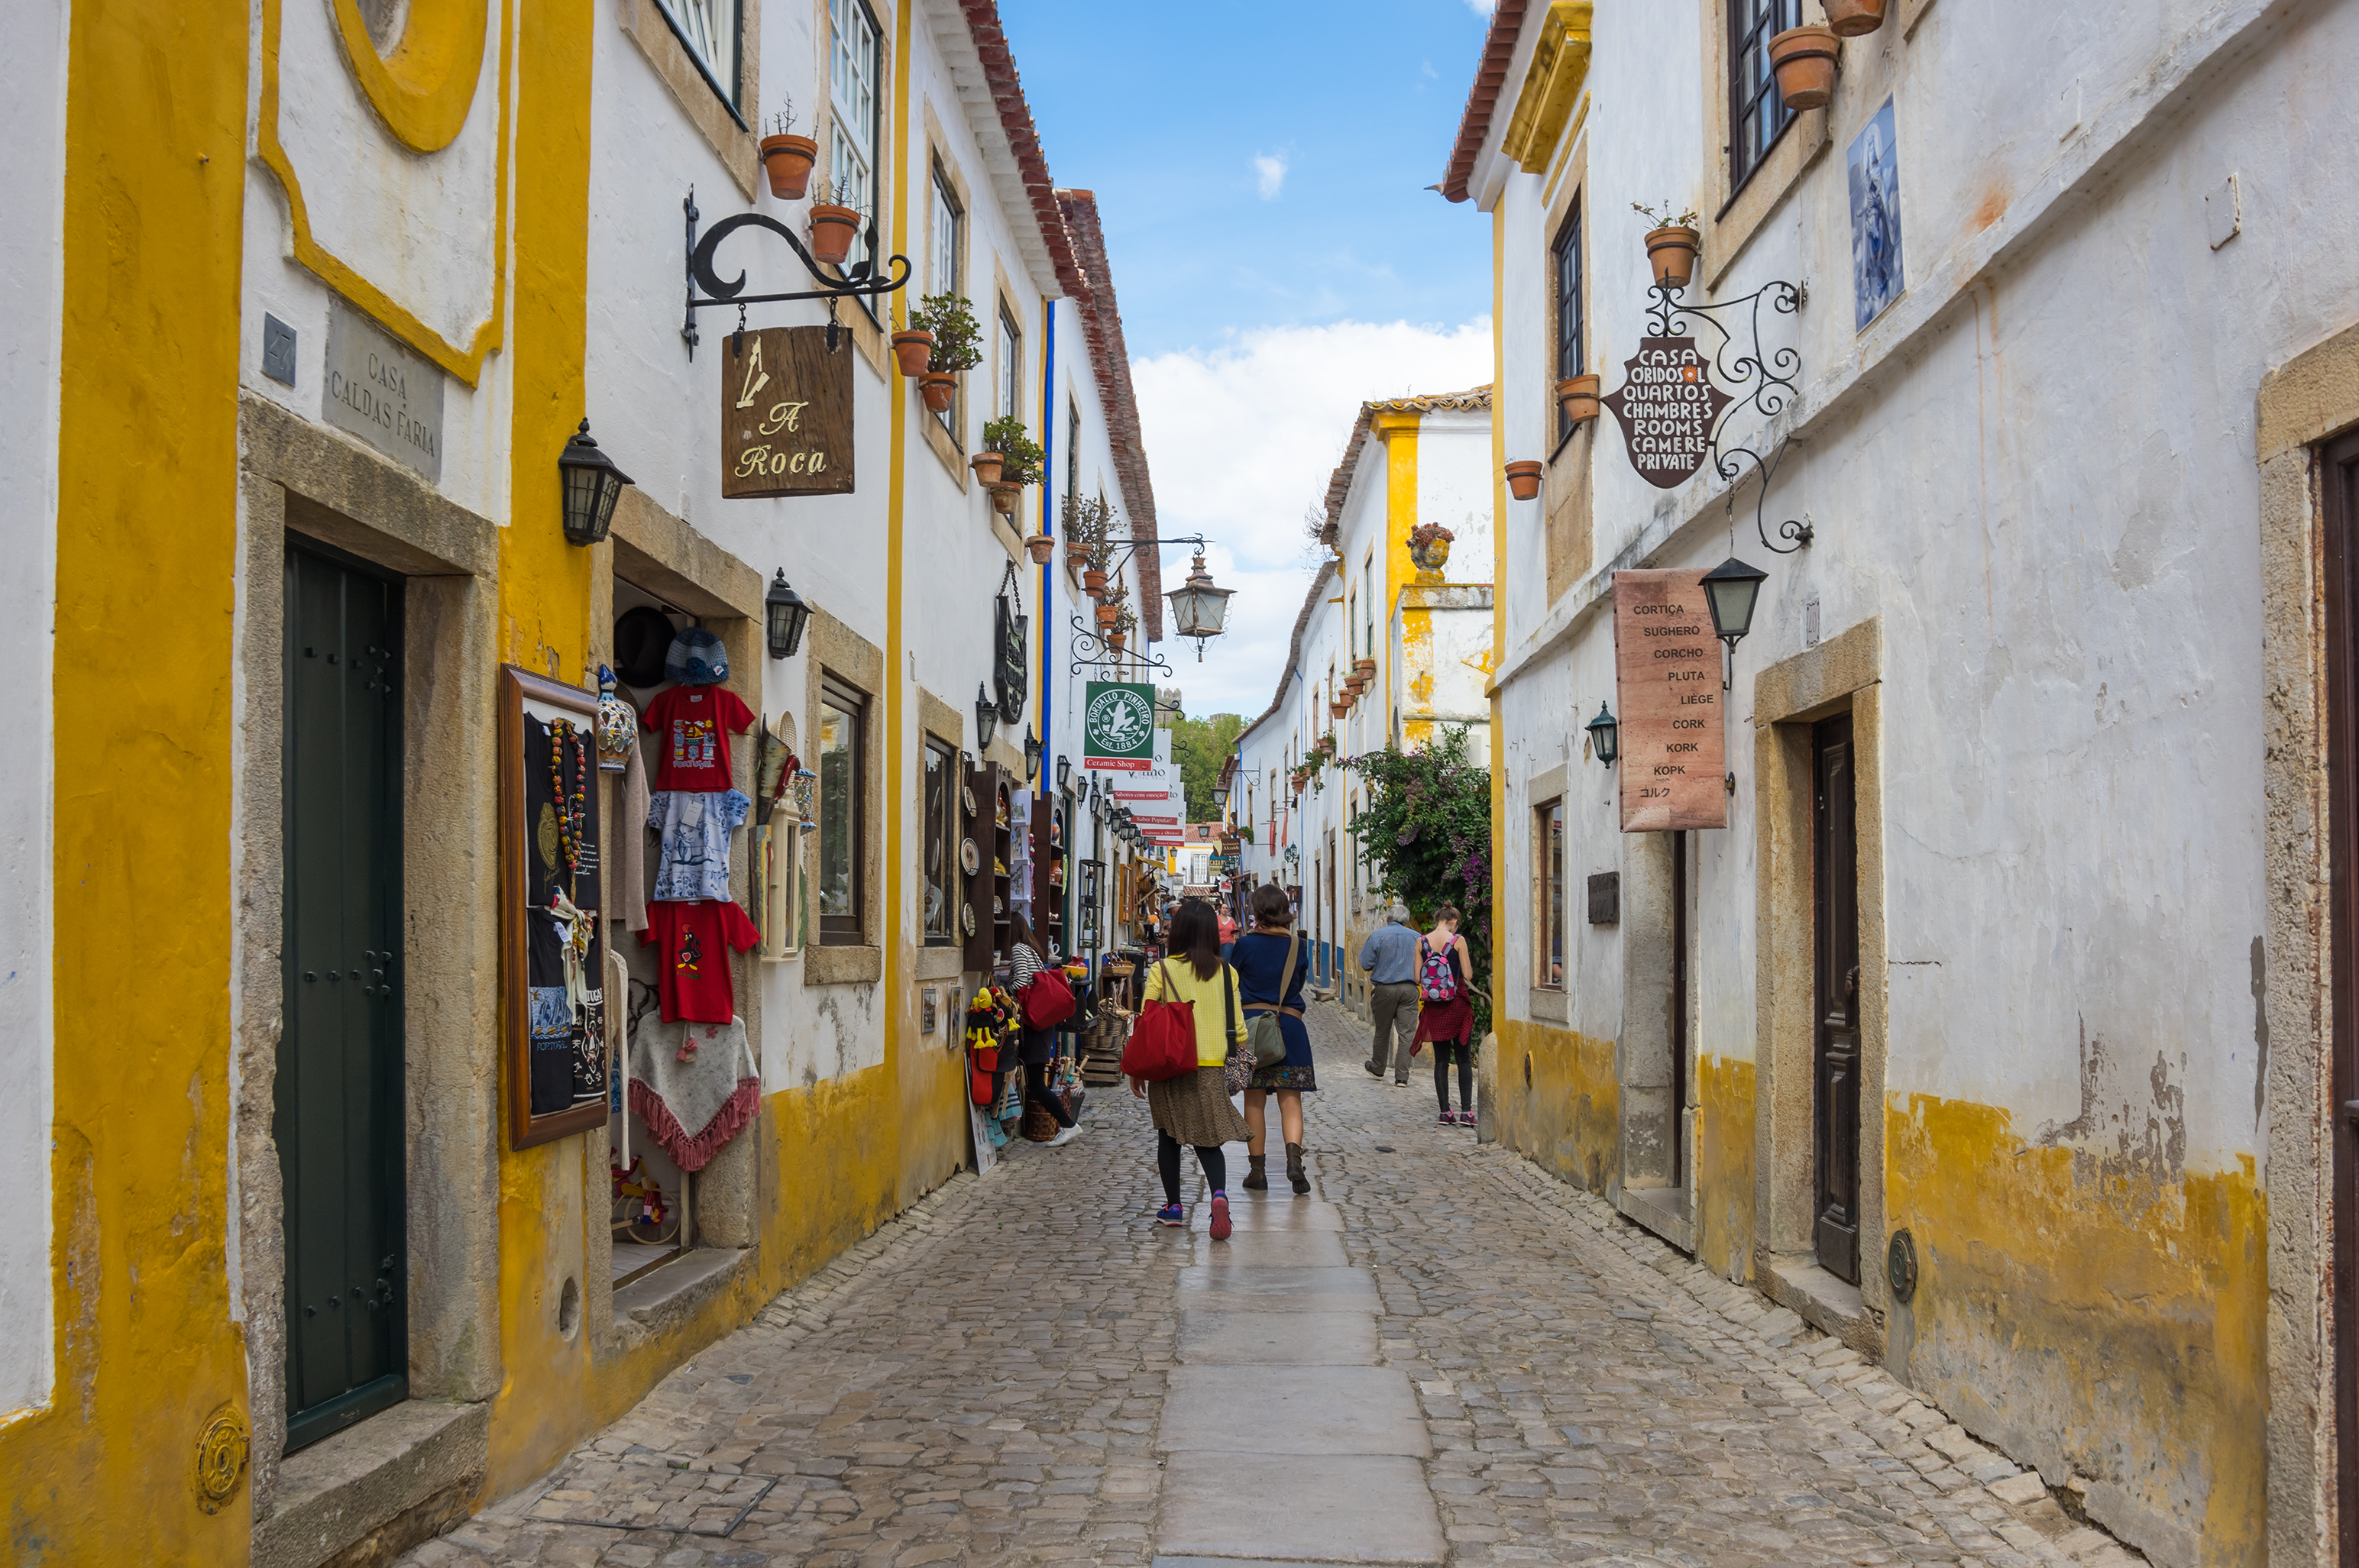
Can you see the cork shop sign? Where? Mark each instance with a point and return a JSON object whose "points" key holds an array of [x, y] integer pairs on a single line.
{"points": [[1673, 763], [786, 415], [1667, 405]]}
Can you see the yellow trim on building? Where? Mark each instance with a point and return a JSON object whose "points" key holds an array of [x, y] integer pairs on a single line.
{"points": [[1397, 430], [425, 86], [1551, 86]]}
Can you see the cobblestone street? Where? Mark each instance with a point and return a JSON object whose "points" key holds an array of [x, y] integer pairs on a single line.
{"points": [[1440, 1355]]}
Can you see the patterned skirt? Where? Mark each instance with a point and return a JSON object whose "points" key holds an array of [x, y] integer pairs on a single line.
{"points": [[1195, 1109]]}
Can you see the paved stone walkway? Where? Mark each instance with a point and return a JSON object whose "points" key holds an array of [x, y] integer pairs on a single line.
{"points": [[1440, 1355]]}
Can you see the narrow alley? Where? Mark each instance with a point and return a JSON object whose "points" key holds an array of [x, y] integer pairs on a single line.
{"points": [[1440, 1355]]}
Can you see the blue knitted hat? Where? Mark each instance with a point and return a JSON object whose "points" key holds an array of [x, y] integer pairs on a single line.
{"points": [[696, 658]]}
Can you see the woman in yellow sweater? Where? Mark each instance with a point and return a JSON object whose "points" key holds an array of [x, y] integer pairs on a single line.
{"points": [[1194, 1109]]}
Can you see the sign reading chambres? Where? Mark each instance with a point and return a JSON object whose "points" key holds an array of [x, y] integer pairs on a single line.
{"points": [[786, 413], [1667, 405], [1674, 761]]}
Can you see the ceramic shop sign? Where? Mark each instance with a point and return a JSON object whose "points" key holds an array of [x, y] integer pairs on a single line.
{"points": [[1667, 686], [786, 413], [1118, 726], [1668, 407]]}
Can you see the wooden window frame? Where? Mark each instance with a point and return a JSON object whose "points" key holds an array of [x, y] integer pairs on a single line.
{"points": [[950, 828], [677, 16], [1008, 371], [864, 144], [1749, 38], [1570, 331], [841, 930], [946, 267], [1548, 874]]}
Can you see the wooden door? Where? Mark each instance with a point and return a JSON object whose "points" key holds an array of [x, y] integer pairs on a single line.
{"points": [[338, 1114], [2340, 477], [1835, 918]]}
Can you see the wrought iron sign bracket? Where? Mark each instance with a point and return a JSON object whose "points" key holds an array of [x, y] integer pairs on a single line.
{"points": [[860, 281], [1768, 383], [1090, 652]]}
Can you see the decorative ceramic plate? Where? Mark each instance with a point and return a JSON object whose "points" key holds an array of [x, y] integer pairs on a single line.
{"points": [[970, 857], [969, 919], [966, 794]]}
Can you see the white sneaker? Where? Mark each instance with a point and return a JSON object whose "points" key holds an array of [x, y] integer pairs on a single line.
{"points": [[1067, 1134]]}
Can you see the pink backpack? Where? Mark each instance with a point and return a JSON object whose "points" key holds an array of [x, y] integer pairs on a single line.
{"points": [[1435, 979]]}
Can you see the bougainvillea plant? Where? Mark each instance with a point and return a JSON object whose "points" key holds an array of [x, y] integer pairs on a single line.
{"points": [[1425, 837]]}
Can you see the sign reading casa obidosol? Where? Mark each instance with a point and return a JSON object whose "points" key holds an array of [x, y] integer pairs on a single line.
{"points": [[1666, 685], [1667, 405], [786, 415], [1118, 726]]}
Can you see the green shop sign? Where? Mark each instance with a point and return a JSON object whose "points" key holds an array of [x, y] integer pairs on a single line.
{"points": [[1118, 726]]}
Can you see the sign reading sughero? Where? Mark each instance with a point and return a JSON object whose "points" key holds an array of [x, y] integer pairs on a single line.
{"points": [[1667, 405], [786, 415], [1118, 726], [1666, 685]]}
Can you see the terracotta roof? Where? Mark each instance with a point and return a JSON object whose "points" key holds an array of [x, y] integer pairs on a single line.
{"points": [[1489, 76], [1340, 485], [999, 65], [1101, 324], [1310, 602]]}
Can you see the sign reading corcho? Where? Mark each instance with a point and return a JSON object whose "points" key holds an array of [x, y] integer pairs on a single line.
{"points": [[1118, 726], [786, 415], [1674, 761], [1667, 405]]}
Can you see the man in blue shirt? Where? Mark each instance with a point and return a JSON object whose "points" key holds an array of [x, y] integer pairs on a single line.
{"points": [[1390, 954]]}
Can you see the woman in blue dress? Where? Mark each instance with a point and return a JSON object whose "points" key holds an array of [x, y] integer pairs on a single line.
{"points": [[1264, 986]]}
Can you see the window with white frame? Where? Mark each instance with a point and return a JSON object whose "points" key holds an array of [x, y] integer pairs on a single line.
{"points": [[1008, 375], [854, 64], [948, 233], [709, 29]]}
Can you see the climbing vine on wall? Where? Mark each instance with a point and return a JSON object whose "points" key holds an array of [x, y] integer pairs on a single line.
{"points": [[1425, 837]]}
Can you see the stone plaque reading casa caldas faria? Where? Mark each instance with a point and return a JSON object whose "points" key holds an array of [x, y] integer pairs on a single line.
{"points": [[786, 413], [1667, 684], [1667, 405]]}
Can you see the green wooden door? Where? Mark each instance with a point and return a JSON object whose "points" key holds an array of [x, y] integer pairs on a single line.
{"points": [[339, 1111]]}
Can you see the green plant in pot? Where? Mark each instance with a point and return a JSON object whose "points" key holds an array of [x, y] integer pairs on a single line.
{"points": [[786, 158], [955, 344]]}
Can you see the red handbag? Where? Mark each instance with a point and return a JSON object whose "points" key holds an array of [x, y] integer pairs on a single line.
{"points": [[1163, 1042], [1048, 1000]]}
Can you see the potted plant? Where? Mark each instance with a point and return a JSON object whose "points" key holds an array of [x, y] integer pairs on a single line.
{"points": [[948, 320], [913, 349], [1577, 396], [1671, 244], [786, 158], [987, 466], [1018, 456], [1428, 543], [1855, 19], [1107, 614], [1367, 668], [834, 223], [1006, 499], [1081, 524], [1804, 60], [1125, 622], [1040, 547], [1524, 480]]}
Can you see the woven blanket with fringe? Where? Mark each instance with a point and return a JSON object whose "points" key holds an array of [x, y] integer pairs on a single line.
{"points": [[694, 1108]]}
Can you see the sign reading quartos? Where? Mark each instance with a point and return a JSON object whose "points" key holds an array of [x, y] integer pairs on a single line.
{"points": [[786, 413], [1674, 761], [1668, 407]]}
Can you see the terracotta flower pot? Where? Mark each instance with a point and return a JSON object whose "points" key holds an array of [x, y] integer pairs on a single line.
{"points": [[1367, 668], [1851, 18], [939, 390], [1804, 60], [1041, 547], [787, 161], [1093, 581], [1004, 498], [915, 350], [1107, 615], [833, 228], [1115, 640], [987, 466], [1338, 709], [1671, 250], [1524, 480], [1577, 396], [1075, 554]]}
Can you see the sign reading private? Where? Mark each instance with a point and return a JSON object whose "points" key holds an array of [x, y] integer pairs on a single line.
{"points": [[1118, 726], [786, 415], [1673, 762], [1667, 405]]}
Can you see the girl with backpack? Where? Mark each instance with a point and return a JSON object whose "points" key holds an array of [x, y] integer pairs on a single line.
{"points": [[1193, 1108], [1036, 1045], [1445, 1016]]}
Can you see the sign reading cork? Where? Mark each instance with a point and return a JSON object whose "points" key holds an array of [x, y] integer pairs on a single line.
{"points": [[786, 413], [1667, 684]]}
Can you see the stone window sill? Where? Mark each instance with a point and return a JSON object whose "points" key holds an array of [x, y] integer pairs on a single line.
{"points": [[825, 966]]}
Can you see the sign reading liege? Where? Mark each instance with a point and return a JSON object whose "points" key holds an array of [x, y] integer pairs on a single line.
{"points": [[1667, 684], [786, 413]]}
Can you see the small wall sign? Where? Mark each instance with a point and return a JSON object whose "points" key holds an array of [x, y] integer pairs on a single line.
{"points": [[377, 389], [1673, 765], [786, 415], [1667, 405]]}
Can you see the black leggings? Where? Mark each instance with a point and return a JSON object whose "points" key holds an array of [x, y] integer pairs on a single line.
{"points": [[1037, 1093], [1167, 1157], [1443, 1051]]}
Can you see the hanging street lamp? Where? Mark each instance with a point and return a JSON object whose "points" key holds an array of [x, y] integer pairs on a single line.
{"points": [[986, 718], [784, 616], [1731, 588], [1605, 735], [591, 485], [1031, 754], [1198, 609], [1065, 774]]}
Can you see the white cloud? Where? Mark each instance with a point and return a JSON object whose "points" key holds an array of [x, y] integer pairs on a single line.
{"points": [[1269, 172], [1241, 440], [1481, 7]]}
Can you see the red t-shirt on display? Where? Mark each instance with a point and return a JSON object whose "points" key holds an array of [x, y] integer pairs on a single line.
{"points": [[693, 725], [692, 972]]}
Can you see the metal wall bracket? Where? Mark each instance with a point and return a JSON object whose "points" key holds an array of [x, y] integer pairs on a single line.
{"points": [[861, 280], [1769, 382]]}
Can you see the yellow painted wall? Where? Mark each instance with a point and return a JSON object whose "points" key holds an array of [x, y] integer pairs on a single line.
{"points": [[1567, 1120], [146, 1354], [2092, 1309], [1723, 1166]]}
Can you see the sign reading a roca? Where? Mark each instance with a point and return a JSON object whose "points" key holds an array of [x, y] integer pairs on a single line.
{"points": [[1666, 667], [1667, 405], [1118, 726], [786, 415]]}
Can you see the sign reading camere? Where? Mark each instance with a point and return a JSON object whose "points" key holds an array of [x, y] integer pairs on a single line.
{"points": [[1667, 405], [786, 415], [1674, 761]]}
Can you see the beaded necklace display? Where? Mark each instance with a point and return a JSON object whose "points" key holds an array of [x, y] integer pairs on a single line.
{"points": [[572, 809]]}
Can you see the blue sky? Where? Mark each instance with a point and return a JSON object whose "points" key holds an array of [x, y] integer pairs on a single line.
{"points": [[1260, 172]]}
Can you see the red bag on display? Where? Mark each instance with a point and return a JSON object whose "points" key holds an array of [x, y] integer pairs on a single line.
{"points": [[1163, 1042]]}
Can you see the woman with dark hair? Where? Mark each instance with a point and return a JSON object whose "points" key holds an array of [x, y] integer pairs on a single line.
{"points": [[1193, 1108], [1445, 1015], [1272, 965], [1036, 1048]]}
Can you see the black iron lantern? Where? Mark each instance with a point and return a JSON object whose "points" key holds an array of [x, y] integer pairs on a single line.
{"points": [[1065, 774], [593, 485], [1605, 735], [1031, 755], [1731, 588], [784, 615], [986, 718], [1198, 609], [1220, 797]]}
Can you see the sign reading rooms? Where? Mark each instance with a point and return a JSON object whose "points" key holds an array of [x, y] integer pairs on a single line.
{"points": [[1668, 407], [1666, 666]]}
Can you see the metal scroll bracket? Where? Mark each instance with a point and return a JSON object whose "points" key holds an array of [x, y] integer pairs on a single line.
{"points": [[1764, 380], [861, 280]]}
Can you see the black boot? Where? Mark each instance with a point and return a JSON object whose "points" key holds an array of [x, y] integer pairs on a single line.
{"points": [[1294, 1169], [1257, 1178]]}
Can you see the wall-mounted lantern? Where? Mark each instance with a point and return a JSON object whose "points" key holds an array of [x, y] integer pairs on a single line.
{"points": [[1731, 589], [593, 485], [1065, 774], [784, 616], [1605, 735], [986, 716], [1199, 609], [1031, 754]]}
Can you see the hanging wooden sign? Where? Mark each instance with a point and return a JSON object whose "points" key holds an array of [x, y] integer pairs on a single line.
{"points": [[786, 413], [1667, 405], [1674, 753]]}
